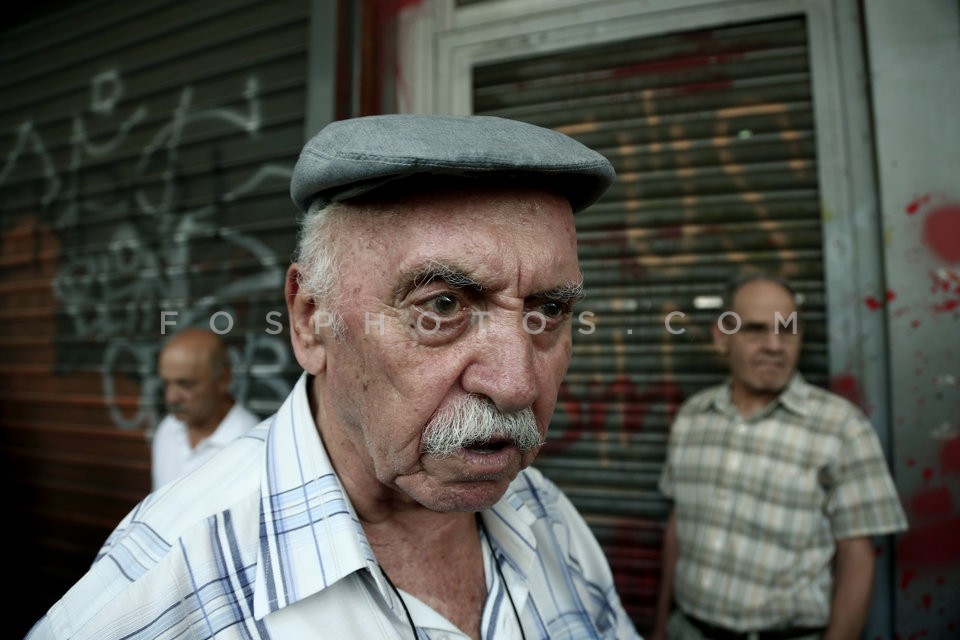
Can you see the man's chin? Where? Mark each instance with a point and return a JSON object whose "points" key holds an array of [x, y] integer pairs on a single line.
{"points": [[460, 491], [772, 386], [465, 499]]}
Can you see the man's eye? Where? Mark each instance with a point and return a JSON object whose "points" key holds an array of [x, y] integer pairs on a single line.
{"points": [[443, 305], [553, 309]]}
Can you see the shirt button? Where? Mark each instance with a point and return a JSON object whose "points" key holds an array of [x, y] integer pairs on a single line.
{"points": [[717, 542], [734, 462], [705, 581], [741, 429]]}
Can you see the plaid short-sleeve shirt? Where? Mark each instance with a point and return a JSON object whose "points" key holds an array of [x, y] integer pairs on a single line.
{"points": [[760, 502]]}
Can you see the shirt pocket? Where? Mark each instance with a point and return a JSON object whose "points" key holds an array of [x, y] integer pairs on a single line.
{"points": [[788, 508]]}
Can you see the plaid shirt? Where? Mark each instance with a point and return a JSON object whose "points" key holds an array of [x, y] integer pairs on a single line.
{"points": [[760, 502], [263, 541]]}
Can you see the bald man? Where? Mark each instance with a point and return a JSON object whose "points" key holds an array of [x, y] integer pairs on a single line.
{"points": [[203, 417], [778, 489]]}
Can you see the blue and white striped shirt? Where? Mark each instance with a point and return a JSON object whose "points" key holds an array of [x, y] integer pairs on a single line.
{"points": [[263, 542]]}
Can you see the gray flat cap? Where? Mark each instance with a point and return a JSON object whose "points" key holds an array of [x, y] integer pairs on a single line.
{"points": [[349, 158]]}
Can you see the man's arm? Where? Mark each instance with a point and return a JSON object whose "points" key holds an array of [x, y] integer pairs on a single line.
{"points": [[853, 567], [669, 564]]}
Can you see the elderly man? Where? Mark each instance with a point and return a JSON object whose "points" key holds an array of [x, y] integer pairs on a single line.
{"points": [[203, 417], [777, 488], [391, 496]]}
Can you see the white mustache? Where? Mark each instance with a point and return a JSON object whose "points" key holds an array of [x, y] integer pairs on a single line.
{"points": [[475, 420]]}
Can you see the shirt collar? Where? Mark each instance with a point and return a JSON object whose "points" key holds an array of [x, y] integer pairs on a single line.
{"points": [[509, 523], [310, 536], [793, 398], [222, 435]]}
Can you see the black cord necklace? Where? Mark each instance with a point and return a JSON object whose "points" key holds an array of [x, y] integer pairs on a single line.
{"points": [[396, 591], [503, 581]]}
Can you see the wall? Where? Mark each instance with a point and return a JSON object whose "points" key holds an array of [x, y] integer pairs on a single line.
{"points": [[145, 156], [914, 51]]}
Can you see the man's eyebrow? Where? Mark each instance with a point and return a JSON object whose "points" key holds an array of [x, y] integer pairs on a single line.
{"points": [[571, 292], [436, 270]]}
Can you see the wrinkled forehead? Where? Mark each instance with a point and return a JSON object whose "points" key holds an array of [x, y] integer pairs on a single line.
{"points": [[457, 234], [762, 301]]}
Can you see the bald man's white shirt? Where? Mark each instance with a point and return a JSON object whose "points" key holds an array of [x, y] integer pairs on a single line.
{"points": [[171, 453]]}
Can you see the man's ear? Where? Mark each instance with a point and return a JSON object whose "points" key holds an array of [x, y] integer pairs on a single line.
{"points": [[721, 340], [307, 332], [226, 379]]}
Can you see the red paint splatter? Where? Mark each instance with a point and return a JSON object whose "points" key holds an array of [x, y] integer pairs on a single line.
{"points": [[873, 304], [847, 386], [906, 578], [927, 600], [700, 87], [931, 545], [932, 503], [947, 282], [911, 462], [946, 307], [950, 456], [927, 474], [941, 232], [914, 324], [941, 580], [671, 232], [915, 205], [591, 415], [391, 8]]}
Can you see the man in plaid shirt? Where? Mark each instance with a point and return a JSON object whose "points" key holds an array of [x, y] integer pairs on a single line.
{"points": [[777, 486]]}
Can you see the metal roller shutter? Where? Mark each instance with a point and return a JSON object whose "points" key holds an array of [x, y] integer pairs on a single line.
{"points": [[147, 149], [712, 135]]}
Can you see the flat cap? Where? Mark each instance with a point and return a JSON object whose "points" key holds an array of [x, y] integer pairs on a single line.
{"points": [[349, 158]]}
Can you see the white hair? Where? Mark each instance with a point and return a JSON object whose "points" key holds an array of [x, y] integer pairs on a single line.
{"points": [[318, 255]]}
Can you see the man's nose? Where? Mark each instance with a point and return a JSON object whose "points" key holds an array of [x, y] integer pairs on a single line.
{"points": [[504, 366], [773, 340], [171, 395]]}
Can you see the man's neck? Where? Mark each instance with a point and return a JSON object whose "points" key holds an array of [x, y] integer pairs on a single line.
{"points": [[440, 564], [200, 432], [749, 402]]}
